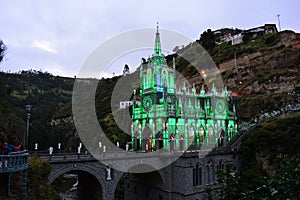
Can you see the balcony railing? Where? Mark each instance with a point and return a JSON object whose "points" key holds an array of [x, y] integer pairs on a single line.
{"points": [[13, 162]]}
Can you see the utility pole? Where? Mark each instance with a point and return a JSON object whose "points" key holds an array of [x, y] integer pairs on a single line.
{"points": [[28, 112], [278, 22]]}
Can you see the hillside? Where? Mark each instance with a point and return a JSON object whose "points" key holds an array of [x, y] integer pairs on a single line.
{"points": [[267, 65], [47, 95]]}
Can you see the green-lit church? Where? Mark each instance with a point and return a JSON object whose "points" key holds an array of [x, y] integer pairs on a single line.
{"points": [[166, 116]]}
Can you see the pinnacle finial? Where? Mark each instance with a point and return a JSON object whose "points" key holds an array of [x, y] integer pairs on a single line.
{"points": [[157, 26], [157, 45]]}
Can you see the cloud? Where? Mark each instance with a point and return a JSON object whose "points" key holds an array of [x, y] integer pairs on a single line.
{"points": [[39, 33], [45, 46]]}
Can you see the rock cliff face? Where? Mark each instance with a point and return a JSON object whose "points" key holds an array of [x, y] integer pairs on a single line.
{"points": [[270, 69]]}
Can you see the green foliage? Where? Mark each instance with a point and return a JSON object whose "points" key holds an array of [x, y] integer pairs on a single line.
{"points": [[38, 187], [208, 194], [113, 132], [254, 106], [230, 183], [4, 107], [103, 96], [3, 48], [266, 141], [207, 40], [272, 39], [47, 95], [283, 184], [120, 189]]}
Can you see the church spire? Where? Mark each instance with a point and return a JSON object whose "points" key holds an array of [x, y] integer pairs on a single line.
{"points": [[157, 45]]}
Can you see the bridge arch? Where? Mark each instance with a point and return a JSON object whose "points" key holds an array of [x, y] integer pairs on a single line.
{"points": [[95, 169], [145, 185], [137, 170], [75, 167]]}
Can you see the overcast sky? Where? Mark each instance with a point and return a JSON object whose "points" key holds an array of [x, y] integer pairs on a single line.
{"points": [[58, 35]]}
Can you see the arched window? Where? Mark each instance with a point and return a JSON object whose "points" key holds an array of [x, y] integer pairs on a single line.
{"points": [[201, 134], [211, 135], [212, 169], [207, 174], [197, 175], [221, 165], [210, 172], [149, 78], [164, 77], [222, 138], [230, 130], [191, 132]]}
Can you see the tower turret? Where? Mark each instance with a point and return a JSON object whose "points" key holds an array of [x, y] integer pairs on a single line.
{"points": [[157, 45]]}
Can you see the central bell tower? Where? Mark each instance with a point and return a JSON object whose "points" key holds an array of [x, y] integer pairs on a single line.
{"points": [[157, 79], [157, 95]]}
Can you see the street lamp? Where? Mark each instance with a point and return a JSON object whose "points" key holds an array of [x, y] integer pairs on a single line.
{"points": [[28, 112]]}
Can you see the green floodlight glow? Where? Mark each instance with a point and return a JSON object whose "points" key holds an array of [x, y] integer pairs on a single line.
{"points": [[163, 117]]}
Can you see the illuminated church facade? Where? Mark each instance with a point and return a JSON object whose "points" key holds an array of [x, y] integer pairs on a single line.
{"points": [[167, 115]]}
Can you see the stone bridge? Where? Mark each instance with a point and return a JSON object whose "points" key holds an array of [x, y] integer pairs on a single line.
{"points": [[164, 183], [62, 163]]}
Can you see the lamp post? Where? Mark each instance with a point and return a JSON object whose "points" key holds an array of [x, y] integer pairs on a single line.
{"points": [[28, 112], [278, 22]]}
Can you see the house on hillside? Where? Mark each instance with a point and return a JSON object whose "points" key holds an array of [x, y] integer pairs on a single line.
{"points": [[260, 30], [249, 34]]}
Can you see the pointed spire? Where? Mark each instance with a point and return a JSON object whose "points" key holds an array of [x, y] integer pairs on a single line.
{"points": [[157, 45], [214, 92], [184, 87], [226, 92], [194, 89], [202, 91], [174, 63]]}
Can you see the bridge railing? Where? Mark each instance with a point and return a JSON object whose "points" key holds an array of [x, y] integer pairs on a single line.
{"points": [[17, 161], [74, 157]]}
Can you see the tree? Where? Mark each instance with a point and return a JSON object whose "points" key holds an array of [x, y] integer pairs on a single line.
{"points": [[2, 50], [38, 187], [230, 183], [176, 49], [208, 40], [283, 184], [126, 70]]}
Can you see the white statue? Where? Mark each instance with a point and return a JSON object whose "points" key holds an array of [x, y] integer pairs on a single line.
{"points": [[127, 147], [50, 150], [36, 146], [108, 170], [78, 149], [59, 145]]}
